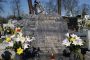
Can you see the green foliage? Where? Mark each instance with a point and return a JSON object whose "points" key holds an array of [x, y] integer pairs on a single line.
{"points": [[19, 18], [3, 20], [8, 47], [11, 17], [17, 45], [14, 17], [1, 41]]}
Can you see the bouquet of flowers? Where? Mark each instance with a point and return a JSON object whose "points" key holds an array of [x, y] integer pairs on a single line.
{"points": [[73, 43], [18, 42], [72, 40]]}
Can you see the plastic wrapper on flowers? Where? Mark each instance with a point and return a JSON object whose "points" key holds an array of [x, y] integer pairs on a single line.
{"points": [[72, 41], [74, 44]]}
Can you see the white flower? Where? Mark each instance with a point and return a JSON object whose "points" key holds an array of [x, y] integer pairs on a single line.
{"points": [[27, 39], [17, 39], [66, 42], [67, 34], [75, 42], [74, 39], [11, 44], [26, 46], [12, 36], [22, 39], [20, 34], [80, 42], [73, 35], [31, 40], [77, 38]]}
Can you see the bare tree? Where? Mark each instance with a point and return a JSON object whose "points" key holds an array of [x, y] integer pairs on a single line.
{"points": [[70, 6], [16, 7], [59, 6], [51, 6], [30, 7], [1, 5], [13, 9], [85, 9]]}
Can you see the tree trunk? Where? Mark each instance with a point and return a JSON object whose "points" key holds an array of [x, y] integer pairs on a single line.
{"points": [[30, 7], [18, 10], [59, 6], [17, 3]]}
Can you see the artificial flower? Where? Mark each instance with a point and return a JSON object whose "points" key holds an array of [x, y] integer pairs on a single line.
{"points": [[8, 39], [28, 39], [31, 40], [77, 38], [17, 39], [75, 42], [66, 42], [67, 34], [18, 29], [72, 39], [12, 36], [73, 35], [19, 51], [11, 44], [22, 39], [26, 45], [80, 42], [20, 34]]}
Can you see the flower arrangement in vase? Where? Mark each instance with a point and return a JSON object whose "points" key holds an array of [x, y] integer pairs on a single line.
{"points": [[73, 43], [18, 42]]}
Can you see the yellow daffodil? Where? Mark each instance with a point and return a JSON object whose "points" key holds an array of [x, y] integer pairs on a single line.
{"points": [[19, 51], [8, 39]]}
